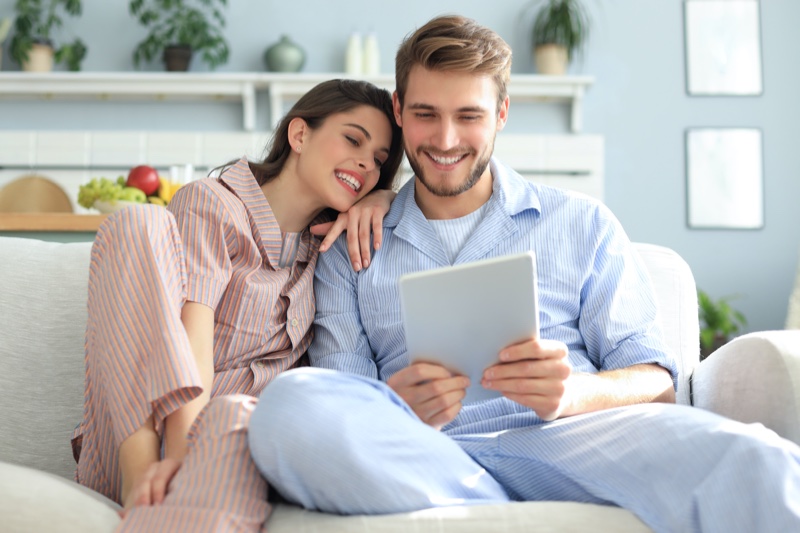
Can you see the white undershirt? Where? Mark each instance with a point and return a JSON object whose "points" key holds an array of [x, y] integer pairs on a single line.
{"points": [[453, 233]]}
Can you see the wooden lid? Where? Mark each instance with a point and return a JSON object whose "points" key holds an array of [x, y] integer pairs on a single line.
{"points": [[34, 194]]}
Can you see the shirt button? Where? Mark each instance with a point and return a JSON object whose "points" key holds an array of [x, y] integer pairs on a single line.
{"points": [[294, 322], [261, 364]]}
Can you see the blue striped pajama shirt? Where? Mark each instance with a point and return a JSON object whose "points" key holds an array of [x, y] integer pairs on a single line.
{"points": [[678, 468]]}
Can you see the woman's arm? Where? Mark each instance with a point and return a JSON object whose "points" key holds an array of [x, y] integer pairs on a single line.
{"points": [[365, 215], [198, 319]]}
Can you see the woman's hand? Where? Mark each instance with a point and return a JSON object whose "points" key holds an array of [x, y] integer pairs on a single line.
{"points": [[152, 486], [365, 215]]}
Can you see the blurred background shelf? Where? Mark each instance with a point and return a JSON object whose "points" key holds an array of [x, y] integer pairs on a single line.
{"points": [[283, 88]]}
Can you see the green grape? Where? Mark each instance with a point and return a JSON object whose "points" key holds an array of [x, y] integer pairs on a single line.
{"points": [[98, 189]]}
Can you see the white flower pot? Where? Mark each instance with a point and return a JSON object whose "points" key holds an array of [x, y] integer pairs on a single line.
{"points": [[40, 59], [551, 59]]}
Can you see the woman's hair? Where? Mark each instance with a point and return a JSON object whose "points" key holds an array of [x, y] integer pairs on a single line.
{"points": [[455, 44], [324, 100]]}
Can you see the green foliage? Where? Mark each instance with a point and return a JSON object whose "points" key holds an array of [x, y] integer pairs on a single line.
{"points": [[564, 22], [35, 22], [197, 24], [717, 318]]}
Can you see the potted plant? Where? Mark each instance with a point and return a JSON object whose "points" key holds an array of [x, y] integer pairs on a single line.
{"points": [[718, 322], [180, 28], [560, 30], [32, 43]]}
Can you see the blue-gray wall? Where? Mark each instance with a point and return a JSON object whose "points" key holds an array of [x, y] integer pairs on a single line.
{"points": [[638, 102]]}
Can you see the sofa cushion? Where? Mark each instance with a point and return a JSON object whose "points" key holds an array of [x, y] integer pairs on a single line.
{"points": [[43, 303], [36, 501]]}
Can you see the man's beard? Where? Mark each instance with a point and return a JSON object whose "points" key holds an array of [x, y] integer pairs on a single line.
{"points": [[443, 190]]}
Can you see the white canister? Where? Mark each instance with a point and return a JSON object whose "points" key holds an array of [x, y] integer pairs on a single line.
{"points": [[353, 62], [372, 55]]}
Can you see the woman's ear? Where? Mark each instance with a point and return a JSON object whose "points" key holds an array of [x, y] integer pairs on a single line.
{"points": [[298, 128]]}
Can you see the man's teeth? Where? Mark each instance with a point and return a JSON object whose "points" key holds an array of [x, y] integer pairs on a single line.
{"points": [[350, 180], [446, 160]]}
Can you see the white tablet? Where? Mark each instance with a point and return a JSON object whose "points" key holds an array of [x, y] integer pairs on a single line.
{"points": [[462, 316]]}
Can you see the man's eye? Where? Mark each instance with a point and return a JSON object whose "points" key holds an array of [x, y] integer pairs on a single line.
{"points": [[470, 118], [423, 115]]}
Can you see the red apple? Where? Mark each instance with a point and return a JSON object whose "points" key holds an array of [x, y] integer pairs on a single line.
{"points": [[144, 178]]}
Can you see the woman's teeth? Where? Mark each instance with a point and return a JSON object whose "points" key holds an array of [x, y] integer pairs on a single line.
{"points": [[350, 180]]}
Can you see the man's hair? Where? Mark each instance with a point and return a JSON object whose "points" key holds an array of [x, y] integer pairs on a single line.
{"points": [[452, 43]]}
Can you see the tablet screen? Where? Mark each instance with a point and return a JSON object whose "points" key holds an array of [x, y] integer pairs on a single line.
{"points": [[462, 316]]}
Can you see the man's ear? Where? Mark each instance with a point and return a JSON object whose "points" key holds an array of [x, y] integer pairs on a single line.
{"points": [[398, 109], [298, 129], [502, 115]]}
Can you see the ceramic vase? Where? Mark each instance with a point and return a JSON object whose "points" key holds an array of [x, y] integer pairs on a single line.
{"points": [[284, 56]]}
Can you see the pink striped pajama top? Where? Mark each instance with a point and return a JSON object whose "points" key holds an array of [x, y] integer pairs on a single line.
{"points": [[220, 245]]}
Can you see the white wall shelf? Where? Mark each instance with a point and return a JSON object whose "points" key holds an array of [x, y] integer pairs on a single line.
{"points": [[243, 87]]}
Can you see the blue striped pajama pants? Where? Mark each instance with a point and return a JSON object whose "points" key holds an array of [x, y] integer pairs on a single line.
{"points": [[678, 468]]}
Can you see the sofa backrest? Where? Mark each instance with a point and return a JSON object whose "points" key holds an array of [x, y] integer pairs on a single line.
{"points": [[43, 291]]}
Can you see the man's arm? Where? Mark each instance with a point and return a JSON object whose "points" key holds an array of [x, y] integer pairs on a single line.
{"points": [[340, 342], [622, 335], [536, 374]]}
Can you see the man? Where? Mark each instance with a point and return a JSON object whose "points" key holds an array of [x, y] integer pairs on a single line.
{"points": [[586, 411]]}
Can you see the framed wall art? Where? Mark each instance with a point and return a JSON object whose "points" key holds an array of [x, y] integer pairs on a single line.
{"points": [[724, 178], [723, 47]]}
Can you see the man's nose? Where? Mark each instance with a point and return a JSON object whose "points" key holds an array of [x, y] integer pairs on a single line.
{"points": [[446, 136]]}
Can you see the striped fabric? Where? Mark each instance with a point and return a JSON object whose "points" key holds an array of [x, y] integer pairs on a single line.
{"points": [[219, 244], [677, 468], [217, 488], [594, 295]]}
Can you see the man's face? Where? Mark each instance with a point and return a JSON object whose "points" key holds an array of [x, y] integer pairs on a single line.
{"points": [[449, 122]]}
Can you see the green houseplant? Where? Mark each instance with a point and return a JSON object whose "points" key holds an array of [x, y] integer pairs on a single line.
{"points": [[34, 26], [182, 27], [560, 30], [718, 322]]}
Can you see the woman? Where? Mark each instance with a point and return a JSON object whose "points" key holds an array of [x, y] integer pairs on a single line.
{"points": [[213, 295]]}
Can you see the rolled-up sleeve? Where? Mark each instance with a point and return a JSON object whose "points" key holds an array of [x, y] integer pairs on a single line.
{"points": [[619, 316]]}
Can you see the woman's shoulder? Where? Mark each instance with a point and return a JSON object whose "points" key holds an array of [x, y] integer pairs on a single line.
{"points": [[206, 195]]}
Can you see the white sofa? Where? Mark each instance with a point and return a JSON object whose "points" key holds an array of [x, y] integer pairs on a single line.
{"points": [[42, 316]]}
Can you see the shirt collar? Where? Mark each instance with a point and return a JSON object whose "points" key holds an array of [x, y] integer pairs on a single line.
{"points": [[239, 179]]}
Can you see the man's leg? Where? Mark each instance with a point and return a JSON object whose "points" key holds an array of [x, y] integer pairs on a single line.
{"points": [[349, 445], [677, 468]]}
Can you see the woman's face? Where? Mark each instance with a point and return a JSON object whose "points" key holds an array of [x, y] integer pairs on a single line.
{"points": [[340, 161]]}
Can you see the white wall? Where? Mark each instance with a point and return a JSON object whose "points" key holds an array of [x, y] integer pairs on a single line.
{"points": [[638, 103]]}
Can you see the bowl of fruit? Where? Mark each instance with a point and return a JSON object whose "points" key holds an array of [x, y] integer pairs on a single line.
{"points": [[143, 185]]}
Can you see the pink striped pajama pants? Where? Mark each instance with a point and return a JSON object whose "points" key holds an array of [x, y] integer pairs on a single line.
{"points": [[139, 363]]}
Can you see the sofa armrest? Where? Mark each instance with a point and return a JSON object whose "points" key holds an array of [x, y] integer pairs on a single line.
{"points": [[754, 378]]}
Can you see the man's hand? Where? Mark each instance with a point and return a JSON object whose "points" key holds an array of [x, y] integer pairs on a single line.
{"points": [[364, 216], [535, 374], [431, 390], [152, 486]]}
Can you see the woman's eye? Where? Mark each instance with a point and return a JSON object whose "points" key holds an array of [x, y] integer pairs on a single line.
{"points": [[352, 140], [378, 162]]}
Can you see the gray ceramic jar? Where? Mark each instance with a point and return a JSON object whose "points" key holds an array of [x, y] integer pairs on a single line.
{"points": [[284, 56]]}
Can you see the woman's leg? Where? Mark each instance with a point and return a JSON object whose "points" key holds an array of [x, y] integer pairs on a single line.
{"points": [[349, 445], [139, 364], [217, 488]]}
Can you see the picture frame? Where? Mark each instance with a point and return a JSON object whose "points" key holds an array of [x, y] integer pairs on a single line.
{"points": [[724, 178], [723, 47]]}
